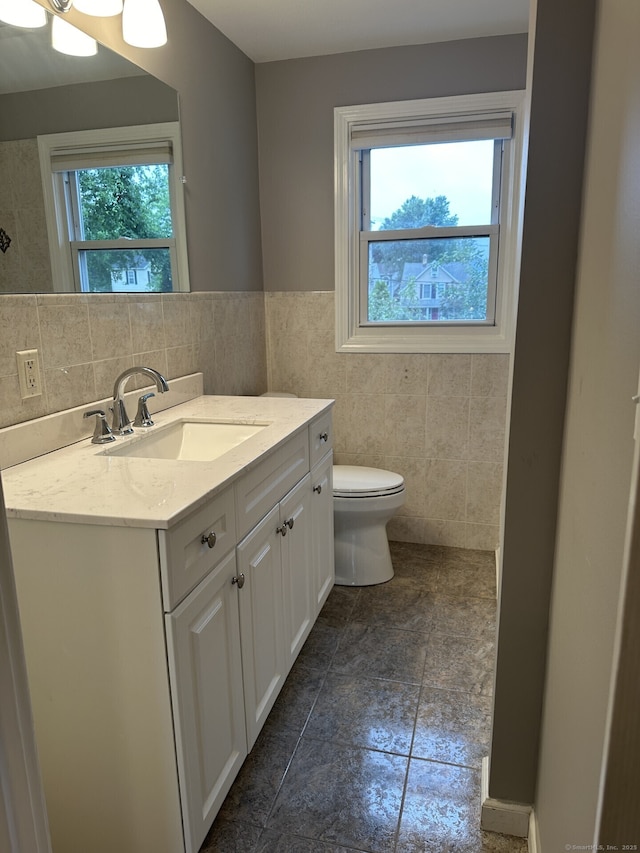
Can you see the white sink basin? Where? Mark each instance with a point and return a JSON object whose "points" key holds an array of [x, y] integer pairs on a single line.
{"points": [[196, 441]]}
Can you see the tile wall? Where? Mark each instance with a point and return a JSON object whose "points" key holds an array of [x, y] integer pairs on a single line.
{"points": [[439, 420], [25, 264], [85, 341]]}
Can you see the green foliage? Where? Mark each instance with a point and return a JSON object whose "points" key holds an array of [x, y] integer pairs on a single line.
{"points": [[468, 300], [130, 202], [385, 308], [413, 213], [464, 258], [417, 212]]}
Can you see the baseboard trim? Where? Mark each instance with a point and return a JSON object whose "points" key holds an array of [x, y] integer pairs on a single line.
{"points": [[534, 837], [502, 815]]}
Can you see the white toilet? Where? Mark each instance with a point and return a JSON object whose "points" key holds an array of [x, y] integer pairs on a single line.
{"points": [[364, 499]]}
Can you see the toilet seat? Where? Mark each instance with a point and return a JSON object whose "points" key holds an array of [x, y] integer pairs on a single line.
{"points": [[355, 481]]}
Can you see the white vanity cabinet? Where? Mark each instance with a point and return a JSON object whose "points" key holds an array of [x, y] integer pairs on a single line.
{"points": [[277, 608], [205, 665], [261, 618], [322, 551], [297, 575], [154, 656]]}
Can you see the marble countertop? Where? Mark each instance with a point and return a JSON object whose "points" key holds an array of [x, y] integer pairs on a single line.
{"points": [[79, 483]]}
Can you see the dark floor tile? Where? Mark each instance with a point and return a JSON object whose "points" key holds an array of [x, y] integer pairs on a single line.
{"points": [[320, 646], [226, 836], [356, 684], [453, 727], [460, 663], [468, 557], [468, 573], [496, 842], [254, 791], [381, 653], [441, 810], [402, 603], [296, 699], [341, 795], [339, 605], [365, 712], [278, 842], [411, 550], [464, 616], [419, 562]]}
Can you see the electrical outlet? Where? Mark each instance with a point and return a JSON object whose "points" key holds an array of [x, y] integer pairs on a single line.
{"points": [[29, 373]]}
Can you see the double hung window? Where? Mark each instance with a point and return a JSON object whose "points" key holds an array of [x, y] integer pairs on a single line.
{"points": [[427, 195], [114, 210]]}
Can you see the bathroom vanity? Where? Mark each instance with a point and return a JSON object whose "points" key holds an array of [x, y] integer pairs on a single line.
{"points": [[163, 602]]}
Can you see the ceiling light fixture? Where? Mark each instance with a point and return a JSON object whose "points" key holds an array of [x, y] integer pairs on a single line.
{"points": [[22, 13], [68, 39], [143, 23], [142, 20]]}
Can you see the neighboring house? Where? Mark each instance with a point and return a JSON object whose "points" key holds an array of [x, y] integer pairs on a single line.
{"points": [[429, 280], [138, 278]]}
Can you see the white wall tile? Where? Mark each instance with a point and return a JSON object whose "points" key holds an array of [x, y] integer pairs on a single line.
{"points": [[87, 340], [439, 420]]}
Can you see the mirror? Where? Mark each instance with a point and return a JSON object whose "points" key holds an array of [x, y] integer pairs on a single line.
{"points": [[43, 91]]}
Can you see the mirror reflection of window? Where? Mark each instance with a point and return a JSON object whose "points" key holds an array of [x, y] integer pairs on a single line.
{"points": [[44, 92], [113, 204]]}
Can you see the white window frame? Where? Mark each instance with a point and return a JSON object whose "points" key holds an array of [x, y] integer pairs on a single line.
{"points": [[63, 248], [353, 335]]}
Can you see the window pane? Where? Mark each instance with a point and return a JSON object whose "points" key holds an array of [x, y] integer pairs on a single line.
{"points": [[413, 281], [125, 201], [128, 270], [439, 184]]}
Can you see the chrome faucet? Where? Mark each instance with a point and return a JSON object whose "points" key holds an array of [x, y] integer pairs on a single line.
{"points": [[121, 421]]}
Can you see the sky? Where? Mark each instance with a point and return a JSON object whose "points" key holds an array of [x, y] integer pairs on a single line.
{"points": [[461, 171]]}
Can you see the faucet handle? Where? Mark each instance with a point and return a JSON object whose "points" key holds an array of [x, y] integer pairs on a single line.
{"points": [[101, 434], [143, 418]]}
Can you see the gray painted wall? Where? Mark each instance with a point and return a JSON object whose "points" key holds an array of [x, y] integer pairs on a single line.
{"points": [[597, 463], [559, 103], [295, 101], [85, 106], [215, 83]]}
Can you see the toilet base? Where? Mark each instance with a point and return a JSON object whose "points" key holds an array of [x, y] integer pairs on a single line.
{"points": [[362, 555]]}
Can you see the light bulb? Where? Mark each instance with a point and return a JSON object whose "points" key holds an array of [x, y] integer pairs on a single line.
{"points": [[22, 13], [69, 39], [143, 23], [99, 8]]}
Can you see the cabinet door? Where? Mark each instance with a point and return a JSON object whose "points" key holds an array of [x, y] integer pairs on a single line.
{"points": [[203, 638], [322, 548], [263, 662], [297, 578]]}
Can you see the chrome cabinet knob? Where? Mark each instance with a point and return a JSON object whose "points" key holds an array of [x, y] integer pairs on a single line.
{"points": [[318, 488], [209, 539], [282, 530], [324, 436], [239, 580]]}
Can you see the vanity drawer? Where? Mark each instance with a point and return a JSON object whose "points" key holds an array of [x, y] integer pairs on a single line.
{"points": [[320, 437], [263, 486], [185, 554]]}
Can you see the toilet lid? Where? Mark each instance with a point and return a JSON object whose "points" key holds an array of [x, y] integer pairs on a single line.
{"points": [[355, 481]]}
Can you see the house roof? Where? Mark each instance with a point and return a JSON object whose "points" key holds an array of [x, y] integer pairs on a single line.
{"points": [[444, 273]]}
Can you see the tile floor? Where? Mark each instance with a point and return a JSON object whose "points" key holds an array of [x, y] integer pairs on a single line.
{"points": [[376, 741]]}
